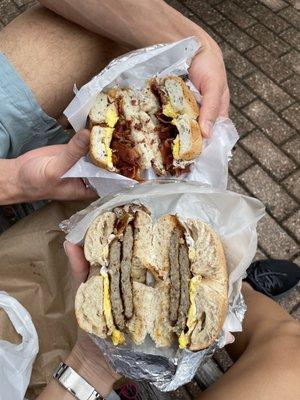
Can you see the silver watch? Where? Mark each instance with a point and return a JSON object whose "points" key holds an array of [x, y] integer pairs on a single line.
{"points": [[75, 384]]}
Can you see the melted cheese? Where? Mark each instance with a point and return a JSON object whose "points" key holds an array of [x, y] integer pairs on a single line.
{"points": [[169, 111], [192, 319], [116, 336], [176, 147]]}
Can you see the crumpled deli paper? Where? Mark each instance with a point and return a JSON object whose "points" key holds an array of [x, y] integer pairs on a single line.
{"points": [[133, 69], [232, 216]]}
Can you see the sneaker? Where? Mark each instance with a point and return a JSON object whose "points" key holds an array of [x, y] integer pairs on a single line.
{"points": [[274, 278]]}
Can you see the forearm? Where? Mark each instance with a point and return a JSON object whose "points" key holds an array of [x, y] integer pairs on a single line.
{"points": [[95, 374], [10, 191], [135, 23]]}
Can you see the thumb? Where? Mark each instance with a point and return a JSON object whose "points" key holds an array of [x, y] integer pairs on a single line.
{"points": [[79, 266], [209, 110], [77, 147]]}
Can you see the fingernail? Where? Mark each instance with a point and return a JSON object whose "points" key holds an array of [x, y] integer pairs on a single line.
{"points": [[207, 128], [65, 247], [82, 139]]}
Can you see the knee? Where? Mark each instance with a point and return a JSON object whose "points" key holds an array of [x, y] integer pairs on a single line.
{"points": [[283, 345]]}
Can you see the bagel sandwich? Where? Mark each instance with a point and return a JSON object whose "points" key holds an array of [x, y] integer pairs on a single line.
{"points": [[134, 130], [167, 280]]}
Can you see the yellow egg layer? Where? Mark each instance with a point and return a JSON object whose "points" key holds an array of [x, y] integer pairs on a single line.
{"points": [[111, 116], [116, 336], [169, 111], [192, 320], [176, 147]]}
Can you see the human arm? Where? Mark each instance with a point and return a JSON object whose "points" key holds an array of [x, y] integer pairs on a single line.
{"points": [[147, 22]]}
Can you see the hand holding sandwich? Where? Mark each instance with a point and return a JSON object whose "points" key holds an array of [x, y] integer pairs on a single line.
{"points": [[85, 358], [36, 175]]}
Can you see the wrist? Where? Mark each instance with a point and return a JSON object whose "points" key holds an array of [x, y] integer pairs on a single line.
{"points": [[102, 379], [11, 191]]}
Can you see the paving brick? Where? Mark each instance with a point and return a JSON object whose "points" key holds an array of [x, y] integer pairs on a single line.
{"points": [[235, 14], [191, 15], [269, 122], [297, 261], [207, 29], [8, 11], [242, 124], [222, 359], [270, 156], [275, 69], [269, 91], [268, 18], [292, 86], [204, 11], [235, 62], [292, 115], [239, 39], [245, 4], [259, 255], [240, 95], [294, 3], [268, 39], [293, 224], [292, 60], [292, 36], [292, 147], [261, 185], [274, 5], [296, 313], [240, 161], [21, 3], [274, 240], [292, 183], [291, 15], [290, 301], [234, 186]]}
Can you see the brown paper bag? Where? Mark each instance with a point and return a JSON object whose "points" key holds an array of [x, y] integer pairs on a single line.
{"points": [[34, 270]]}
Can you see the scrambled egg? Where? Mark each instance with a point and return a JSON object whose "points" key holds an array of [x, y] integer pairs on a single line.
{"points": [[116, 335], [111, 116], [176, 148], [184, 338], [169, 111]]}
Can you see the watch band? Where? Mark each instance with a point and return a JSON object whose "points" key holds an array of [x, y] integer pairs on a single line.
{"points": [[75, 384]]}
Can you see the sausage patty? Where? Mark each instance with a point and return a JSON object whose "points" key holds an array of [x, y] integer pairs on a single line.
{"points": [[174, 276], [126, 287], [184, 303], [114, 273]]}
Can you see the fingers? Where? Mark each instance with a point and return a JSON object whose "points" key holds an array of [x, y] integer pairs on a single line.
{"points": [[224, 106], [78, 264], [74, 189], [210, 107], [77, 147]]}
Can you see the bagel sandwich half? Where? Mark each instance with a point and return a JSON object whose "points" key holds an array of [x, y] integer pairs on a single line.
{"points": [[166, 280], [134, 130]]}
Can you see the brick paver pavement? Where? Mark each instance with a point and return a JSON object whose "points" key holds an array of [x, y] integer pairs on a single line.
{"points": [[260, 42]]}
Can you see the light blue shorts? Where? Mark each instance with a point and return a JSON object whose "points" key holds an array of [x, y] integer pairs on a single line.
{"points": [[24, 125]]}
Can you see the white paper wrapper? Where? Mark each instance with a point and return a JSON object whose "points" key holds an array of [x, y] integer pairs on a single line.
{"points": [[133, 69], [233, 216]]}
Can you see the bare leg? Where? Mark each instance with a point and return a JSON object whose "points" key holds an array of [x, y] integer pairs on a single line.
{"points": [[51, 54], [267, 354]]}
